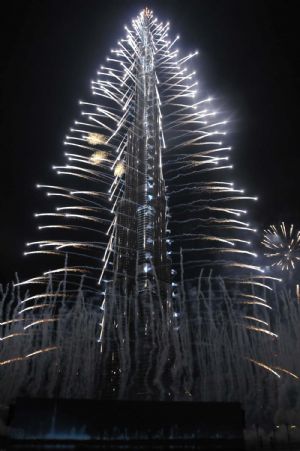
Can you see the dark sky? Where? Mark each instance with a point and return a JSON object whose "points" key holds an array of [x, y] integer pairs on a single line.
{"points": [[51, 49]]}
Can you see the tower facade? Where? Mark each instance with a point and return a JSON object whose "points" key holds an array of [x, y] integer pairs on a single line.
{"points": [[140, 237]]}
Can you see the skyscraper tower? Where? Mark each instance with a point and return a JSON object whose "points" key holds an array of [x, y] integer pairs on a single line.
{"points": [[140, 241], [140, 250], [145, 124]]}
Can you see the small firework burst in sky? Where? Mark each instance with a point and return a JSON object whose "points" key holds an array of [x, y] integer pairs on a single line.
{"points": [[282, 246]]}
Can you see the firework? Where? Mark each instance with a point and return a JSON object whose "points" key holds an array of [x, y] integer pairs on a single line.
{"points": [[98, 157], [119, 169], [282, 246], [154, 201], [95, 138], [159, 140]]}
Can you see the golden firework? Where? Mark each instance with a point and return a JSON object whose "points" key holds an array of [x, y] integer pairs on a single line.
{"points": [[119, 169], [98, 157], [96, 138]]}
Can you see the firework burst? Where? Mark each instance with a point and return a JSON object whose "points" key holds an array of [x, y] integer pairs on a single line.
{"points": [[282, 246]]}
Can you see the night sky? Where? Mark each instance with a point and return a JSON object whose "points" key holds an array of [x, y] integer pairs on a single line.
{"points": [[51, 49]]}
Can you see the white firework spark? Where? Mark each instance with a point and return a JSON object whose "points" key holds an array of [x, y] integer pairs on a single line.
{"points": [[282, 246]]}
